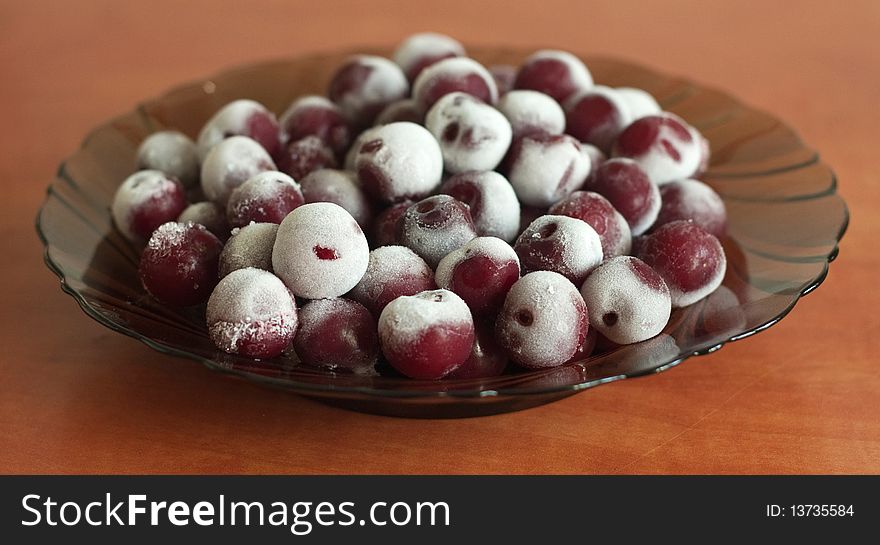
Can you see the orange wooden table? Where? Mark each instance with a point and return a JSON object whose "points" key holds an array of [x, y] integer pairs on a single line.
{"points": [[802, 397]]}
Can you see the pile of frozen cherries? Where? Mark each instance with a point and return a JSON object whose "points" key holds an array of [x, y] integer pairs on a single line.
{"points": [[431, 214]]}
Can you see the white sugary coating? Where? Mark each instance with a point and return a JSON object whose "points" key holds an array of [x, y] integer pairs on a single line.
{"points": [[389, 265], [208, 214], [340, 187], [581, 245], [498, 212], [307, 101], [385, 83], [173, 153], [494, 248], [406, 319], [249, 304], [409, 158], [555, 307], [401, 110], [472, 134], [136, 191], [425, 44], [249, 246], [454, 67], [545, 172], [657, 162], [229, 164], [623, 307], [639, 102], [230, 119], [577, 70], [320, 228], [529, 110]]}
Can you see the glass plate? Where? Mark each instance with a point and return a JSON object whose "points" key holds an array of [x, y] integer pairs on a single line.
{"points": [[785, 221]]}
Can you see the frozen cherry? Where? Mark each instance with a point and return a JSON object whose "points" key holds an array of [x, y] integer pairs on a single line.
{"points": [[179, 264], [531, 111], [251, 313], [426, 336], [265, 198], [231, 163], [472, 134], [399, 161], [544, 168], [597, 116], [435, 226], [640, 103], [593, 208], [487, 358], [144, 201], [630, 190], [249, 246], [306, 155], [320, 251], [690, 260], [208, 214], [402, 110], [543, 322], [392, 271], [314, 115], [339, 187], [492, 201], [365, 85], [451, 75], [386, 228], [480, 272], [692, 200], [628, 301], [560, 244], [337, 333], [664, 145], [504, 76], [241, 118], [555, 73], [173, 153], [421, 50]]}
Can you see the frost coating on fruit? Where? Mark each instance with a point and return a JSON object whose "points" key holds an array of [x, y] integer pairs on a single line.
{"points": [[402, 110], [171, 152], [231, 163], [426, 336], [664, 145], [556, 73], [364, 85], [532, 111], [692, 200], [264, 198], [144, 201], [386, 227], [472, 134], [492, 201], [480, 272], [339, 187], [690, 260], [240, 118], [249, 246], [392, 271], [337, 333], [421, 50], [306, 155], [398, 161], [639, 102], [630, 190], [435, 226], [545, 168], [251, 313], [543, 322], [320, 251], [597, 116], [565, 245], [451, 75], [628, 301], [314, 115], [208, 214], [597, 211]]}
